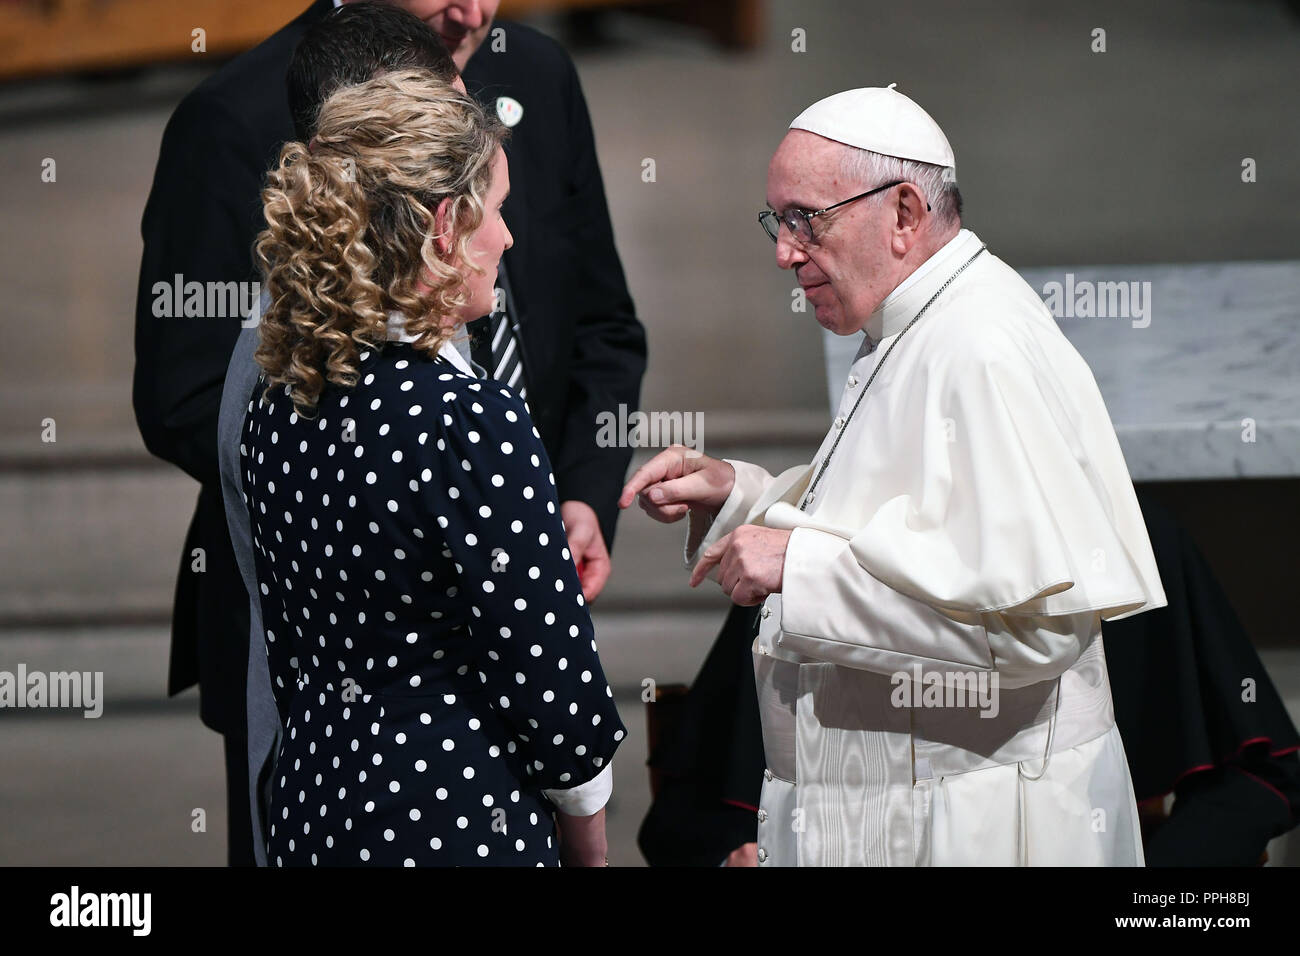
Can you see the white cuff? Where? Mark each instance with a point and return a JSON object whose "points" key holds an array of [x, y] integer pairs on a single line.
{"points": [[750, 483], [586, 798]]}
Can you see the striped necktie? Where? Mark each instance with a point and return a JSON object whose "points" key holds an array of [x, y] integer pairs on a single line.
{"points": [[502, 348]]}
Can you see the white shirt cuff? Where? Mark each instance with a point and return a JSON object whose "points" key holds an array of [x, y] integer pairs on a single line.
{"points": [[586, 798], [701, 533]]}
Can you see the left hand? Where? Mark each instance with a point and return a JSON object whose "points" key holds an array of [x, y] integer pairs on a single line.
{"points": [[586, 547], [751, 563], [744, 855], [582, 839]]}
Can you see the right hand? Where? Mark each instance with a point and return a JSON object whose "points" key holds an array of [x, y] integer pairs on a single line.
{"points": [[582, 839], [677, 480]]}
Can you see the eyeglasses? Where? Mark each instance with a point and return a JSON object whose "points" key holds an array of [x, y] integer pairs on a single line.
{"points": [[799, 222]]}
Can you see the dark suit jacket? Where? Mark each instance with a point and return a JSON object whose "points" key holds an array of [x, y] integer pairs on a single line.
{"points": [[583, 346]]}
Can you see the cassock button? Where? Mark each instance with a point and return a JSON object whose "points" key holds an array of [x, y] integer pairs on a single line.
{"points": [[762, 855], [839, 422], [767, 775], [853, 381], [811, 496], [767, 611], [762, 816]]}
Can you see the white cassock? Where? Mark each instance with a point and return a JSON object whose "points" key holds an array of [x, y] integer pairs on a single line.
{"points": [[976, 519]]}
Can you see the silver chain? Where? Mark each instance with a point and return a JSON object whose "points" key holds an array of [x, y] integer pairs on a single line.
{"points": [[807, 496]]}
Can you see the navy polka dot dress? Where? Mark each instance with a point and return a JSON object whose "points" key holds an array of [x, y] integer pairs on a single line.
{"points": [[431, 655]]}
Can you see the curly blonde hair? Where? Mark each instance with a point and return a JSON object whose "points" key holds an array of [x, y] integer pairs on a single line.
{"points": [[350, 222]]}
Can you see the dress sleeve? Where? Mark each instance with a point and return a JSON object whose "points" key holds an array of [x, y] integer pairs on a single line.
{"points": [[493, 496]]}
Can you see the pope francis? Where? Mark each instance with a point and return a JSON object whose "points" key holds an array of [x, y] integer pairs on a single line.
{"points": [[928, 659]]}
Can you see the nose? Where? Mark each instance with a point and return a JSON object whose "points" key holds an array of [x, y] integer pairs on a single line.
{"points": [[468, 14], [789, 254], [510, 239]]}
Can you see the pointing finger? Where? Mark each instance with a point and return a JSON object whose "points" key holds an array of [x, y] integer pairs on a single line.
{"points": [[651, 472]]}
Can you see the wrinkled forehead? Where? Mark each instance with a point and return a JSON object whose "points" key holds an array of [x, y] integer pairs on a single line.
{"points": [[805, 170]]}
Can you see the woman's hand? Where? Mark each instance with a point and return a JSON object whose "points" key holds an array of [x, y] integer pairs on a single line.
{"points": [[582, 839], [587, 546]]}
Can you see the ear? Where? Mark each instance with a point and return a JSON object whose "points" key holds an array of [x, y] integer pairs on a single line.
{"points": [[912, 207], [910, 214], [442, 237]]}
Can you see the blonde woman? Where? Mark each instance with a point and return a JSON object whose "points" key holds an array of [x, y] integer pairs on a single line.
{"points": [[430, 651]]}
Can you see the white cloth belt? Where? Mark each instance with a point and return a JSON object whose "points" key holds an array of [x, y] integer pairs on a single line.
{"points": [[943, 740]]}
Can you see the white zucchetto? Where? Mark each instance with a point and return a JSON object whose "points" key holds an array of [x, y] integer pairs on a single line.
{"points": [[882, 120]]}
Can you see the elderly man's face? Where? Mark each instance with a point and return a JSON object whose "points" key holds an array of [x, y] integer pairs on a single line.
{"points": [[849, 268], [462, 25]]}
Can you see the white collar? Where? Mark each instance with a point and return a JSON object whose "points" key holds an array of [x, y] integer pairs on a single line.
{"points": [[397, 333], [901, 305]]}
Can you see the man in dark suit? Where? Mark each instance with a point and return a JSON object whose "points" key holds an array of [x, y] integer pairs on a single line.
{"points": [[566, 335]]}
